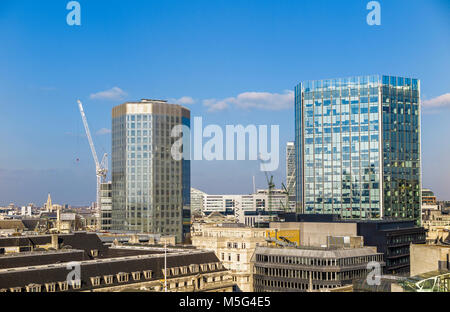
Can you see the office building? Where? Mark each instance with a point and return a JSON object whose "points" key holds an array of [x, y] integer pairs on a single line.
{"points": [[150, 189], [197, 200], [393, 239], [390, 237], [238, 205], [309, 269], [358, 147], [105, 206]]}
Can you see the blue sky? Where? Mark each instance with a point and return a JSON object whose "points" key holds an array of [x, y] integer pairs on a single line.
{"points": [[202, 50]]}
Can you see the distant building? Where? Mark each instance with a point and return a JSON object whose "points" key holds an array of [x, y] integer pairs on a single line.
{"points": [[431, 210], [245, 205], [437, 226], [234, 245], [197, 198], [150, 189], [26, 211], [105, 206], [9, 227], [290, 174], [428, 197], [48, 206], [312, 269]]}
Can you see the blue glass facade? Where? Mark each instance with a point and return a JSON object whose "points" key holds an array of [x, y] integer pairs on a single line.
{"points": [[358, 147]]}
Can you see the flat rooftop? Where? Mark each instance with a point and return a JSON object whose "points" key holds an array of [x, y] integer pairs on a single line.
{"points": [[317, 252]]}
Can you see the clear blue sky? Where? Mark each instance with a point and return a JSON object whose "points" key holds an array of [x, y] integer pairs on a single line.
{"points": [[204, 50]]}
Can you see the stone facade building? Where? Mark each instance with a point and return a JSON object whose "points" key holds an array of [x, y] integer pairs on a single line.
{"points": [[234, 245]]}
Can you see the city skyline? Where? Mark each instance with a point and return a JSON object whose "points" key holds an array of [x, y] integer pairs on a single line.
{"points": [[239, 72]]}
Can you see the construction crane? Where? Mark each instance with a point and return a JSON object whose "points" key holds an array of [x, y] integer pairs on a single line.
{"points": [[285, 205], [287, 192], [270, 185], [101, 169]]}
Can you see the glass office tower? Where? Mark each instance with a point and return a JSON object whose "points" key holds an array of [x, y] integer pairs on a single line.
{"points": [[358, 147], [150, 189]]}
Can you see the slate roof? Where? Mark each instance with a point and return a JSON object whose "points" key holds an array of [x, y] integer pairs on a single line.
{"points": [[23, 259], [30, 224], [11, 224], [20, 277], [78, 240]]}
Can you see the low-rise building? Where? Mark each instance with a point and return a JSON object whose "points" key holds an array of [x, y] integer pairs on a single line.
{"points": [[81, 262], [304, 269], [436, 224], [391, 237], [234, 245], [9, 227], [429, 258], [317, 233]]}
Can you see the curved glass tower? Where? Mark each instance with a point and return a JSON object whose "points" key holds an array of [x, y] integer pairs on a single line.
{"points": [[150, 189]]}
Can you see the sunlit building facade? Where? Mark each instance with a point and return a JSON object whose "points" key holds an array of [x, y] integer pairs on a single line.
{"points": [[290, 173], [358, 147], [150, 189]]}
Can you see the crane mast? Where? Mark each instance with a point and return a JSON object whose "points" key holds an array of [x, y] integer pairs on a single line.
{"points": [[101, 169], [270, 186]]}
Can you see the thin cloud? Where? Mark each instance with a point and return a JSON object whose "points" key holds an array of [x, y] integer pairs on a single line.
{"points": [[442, 101], [114, 93], [185, 100], [215, 105], [103, 131], [254, 100]]}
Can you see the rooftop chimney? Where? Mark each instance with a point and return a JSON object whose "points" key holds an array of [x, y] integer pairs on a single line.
{"points": [[55, 244]]}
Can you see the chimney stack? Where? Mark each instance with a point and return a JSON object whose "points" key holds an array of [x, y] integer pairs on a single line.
{"points": [[55, 244]]}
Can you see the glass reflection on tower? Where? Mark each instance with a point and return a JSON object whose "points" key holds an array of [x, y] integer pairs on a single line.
{"points": [[358, 147]]}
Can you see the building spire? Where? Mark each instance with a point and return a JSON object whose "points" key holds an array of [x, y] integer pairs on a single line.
{"points": [[49, 203]]}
